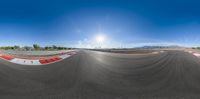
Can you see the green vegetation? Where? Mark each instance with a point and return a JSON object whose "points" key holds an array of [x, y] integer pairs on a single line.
{"points": [[34, 47], [198, 48]]}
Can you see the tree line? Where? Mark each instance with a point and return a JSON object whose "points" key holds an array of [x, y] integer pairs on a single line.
{"points": [[34, 47], [196, 48]]}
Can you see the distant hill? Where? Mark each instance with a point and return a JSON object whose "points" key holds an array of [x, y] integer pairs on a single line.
{"points": [[150, 47]]}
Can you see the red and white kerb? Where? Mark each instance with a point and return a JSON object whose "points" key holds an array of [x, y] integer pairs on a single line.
{"points": [[36, 61]]}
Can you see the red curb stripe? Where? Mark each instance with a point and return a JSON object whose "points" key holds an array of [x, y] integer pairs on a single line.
{"points": [[41, 60], [7, 57], [57, 58], [49, 60], [195, 53]]}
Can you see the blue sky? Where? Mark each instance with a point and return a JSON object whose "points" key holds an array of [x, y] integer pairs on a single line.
{"points": [[123, 23]]}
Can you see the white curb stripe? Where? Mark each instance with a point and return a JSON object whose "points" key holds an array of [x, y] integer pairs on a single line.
{"points": [[47, 60], [196, 54], [25, 61], [190, 51], [64, 56]]}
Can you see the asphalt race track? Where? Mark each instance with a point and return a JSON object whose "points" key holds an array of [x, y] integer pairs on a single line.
{"points": [[99, 75]]}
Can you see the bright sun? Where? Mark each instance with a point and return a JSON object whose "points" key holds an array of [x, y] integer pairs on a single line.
{"points": [[100, 38]]}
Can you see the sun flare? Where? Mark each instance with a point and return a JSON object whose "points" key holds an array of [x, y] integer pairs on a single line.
{"points": [[100, 38]]}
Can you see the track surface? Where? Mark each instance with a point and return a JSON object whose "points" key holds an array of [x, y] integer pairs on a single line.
{"points": [[98, 75]]}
